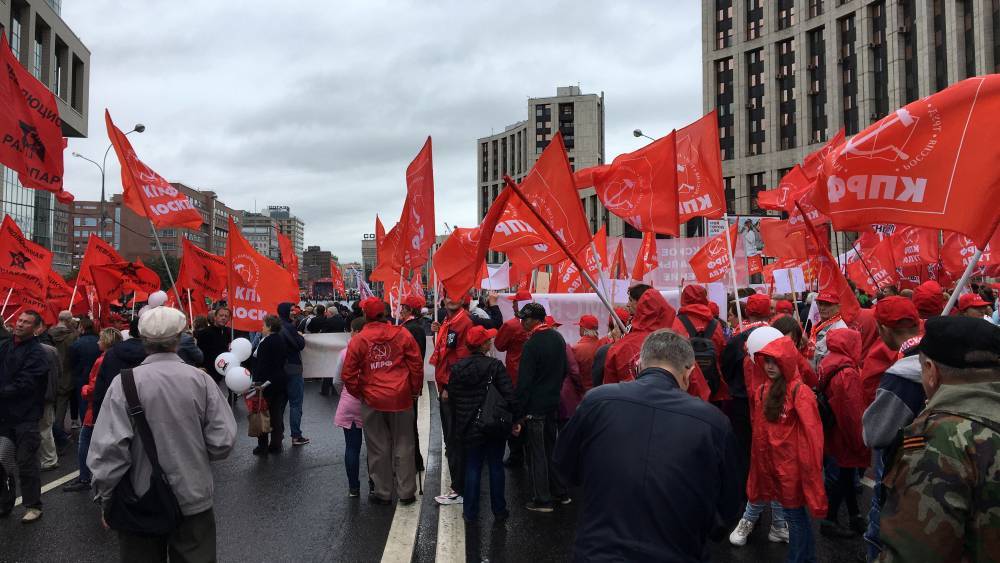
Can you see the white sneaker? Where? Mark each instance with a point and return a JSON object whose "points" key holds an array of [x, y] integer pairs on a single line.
{"points": [[741, 533], [452, 498], [778, 535]]}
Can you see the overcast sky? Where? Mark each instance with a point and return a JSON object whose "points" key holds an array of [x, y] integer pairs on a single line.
{"points": [[320, 105]]}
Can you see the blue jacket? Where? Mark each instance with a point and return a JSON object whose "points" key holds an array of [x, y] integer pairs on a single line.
{"points": [[295, 342], [82, 355], [658, 467]]}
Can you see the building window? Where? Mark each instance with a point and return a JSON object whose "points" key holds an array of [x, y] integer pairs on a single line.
{"points": [[756, 124], [755, 19], [815, 8], [566, 125], [730, 193], [848, 73], [969, 37], [15, 35], [908, 32], [816, 72], [880, 61], [786, 14], [755, 185], [503, 156], [36, 59], [940, 48], [493, 161], [786, 93], [484, 158], [723, 23], [724, 104]]}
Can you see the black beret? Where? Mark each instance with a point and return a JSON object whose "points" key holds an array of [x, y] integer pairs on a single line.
{"points": [[961, 342], [532, 311]]}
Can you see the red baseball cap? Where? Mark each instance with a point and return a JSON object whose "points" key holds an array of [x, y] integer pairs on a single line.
{"points": [[967, 300], [551, 321], [414, 303], [588, 322], [478, 335], [929, 299], [521, 295], [759, 305], [827, 296], [896, 312], [372, 307], [784, 306]]}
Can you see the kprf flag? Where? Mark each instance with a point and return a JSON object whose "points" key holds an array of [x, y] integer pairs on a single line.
{"points": [[24, 265], [337, 277], [711, 262], [289, 259], [551, 193], [116, 279], [645, 260], [958, 250], [460, 259], [256, 285], [782, 240], [932, 163], [831, 279], [416, 224], [812, 165], [794, 190], [146, 192], [201, 271], [915, 246], [31, 140], [875, 268], [700, 191], [387, 268], [567, 278]]}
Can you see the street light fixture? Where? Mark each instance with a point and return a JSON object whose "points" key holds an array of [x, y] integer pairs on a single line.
{"points": [[638, 133], [139, 128]]}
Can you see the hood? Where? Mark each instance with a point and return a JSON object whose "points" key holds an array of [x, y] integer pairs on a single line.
{"points": [[844, 350], [285, 311], [694, 295], [698, 311], [652, 312], [907, 368], [380, 332], [784, 352], [59, 333], [131, 351], [866, 324], [979, 401]]}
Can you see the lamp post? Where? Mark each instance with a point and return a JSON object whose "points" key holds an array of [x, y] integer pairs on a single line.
{"points": [[139, 128], [638, 133]]}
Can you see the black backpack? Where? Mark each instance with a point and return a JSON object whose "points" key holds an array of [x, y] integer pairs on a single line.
{"points": [[826, 415], [705, 354], [494, 417]]}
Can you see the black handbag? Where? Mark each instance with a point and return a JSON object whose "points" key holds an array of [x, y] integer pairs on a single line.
{"points": [[156, 513], [494, 418]]}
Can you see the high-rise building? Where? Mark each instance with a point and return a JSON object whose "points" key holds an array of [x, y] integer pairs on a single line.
{"points": [[290, 226], [47, 47], [786, 75], [261, 231], [315, 264], [369, 254]]}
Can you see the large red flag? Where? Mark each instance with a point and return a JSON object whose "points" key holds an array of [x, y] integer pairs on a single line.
{"points": [[812, 165], [387, 269], [711, 262], [146, 192], [459, 260], [645, 260], [23, 264], [416, 224], [289, 259], [932, 163], [567, 276], [550, 189], [98, 253], [337, 276], [915, 246], [586, 177], [30, 128], [201, 271], [700, 191], [116, 279], [958, 250], [831, 279], [256, 285]]}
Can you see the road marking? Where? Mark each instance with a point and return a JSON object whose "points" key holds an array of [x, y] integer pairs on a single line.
{"points": [[53, 484], [405, 521], [451, 529]]}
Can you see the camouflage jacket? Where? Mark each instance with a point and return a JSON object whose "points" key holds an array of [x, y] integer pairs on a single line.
{"points": [[943, 489]]}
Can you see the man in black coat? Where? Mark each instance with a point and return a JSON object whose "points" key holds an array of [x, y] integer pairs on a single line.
{"points": [[215, 340], [127, 354], [657, 466]]}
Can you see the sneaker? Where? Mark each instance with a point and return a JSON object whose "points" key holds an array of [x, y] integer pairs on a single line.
{"points": [[52, 467], [300, 441], [564, 500], [31, 515], [778, 534], [742, 532], [354, 493], [77, 486], [449, 499], [538, 507]]}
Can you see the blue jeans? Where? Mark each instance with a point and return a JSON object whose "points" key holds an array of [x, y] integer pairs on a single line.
{"points": [[352, 455], [872, 542], [81, 453], [754, 510], [801, 542], [296, 392], [492, 452]]}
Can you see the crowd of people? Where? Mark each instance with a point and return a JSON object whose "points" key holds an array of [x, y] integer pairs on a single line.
{"points": [[674, 429]]}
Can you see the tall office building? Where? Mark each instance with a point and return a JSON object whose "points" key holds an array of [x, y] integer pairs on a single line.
{"points": [[261, 231], [47, 47], [786, 75], [315, 264], [290, 226]]}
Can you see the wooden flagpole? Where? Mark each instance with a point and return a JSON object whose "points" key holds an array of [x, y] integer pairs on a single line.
{"points": [[732, 269], [6, 300]]}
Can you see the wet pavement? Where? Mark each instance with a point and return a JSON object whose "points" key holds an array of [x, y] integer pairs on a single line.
{"points": [[294, 507]]}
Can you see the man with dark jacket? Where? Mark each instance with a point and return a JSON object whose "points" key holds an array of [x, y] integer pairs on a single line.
{"points": [[296, 384], [642, 500], [63, 336], [409, 314], [215, 340], [124, 355], [82, 355], [540, 379], [24, 372]]}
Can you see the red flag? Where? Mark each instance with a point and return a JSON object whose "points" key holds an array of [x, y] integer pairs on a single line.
{"points": [[711, 262], [416, 287], [30, 128], [779, 242], [617, 270], [23, 264], [930, 164], [337, 277], [201, 271], [416, 224], [459, 259], [98, 253], [289, 259], [831, 279], [755, 264], [914, 246], [700, 191], [387, 269], [645, 259], [550, 189], [641, 187], [192, 302], [116, 279], [585, 177], [812, 165], [794, 188], [958, 250], [59, 293], [567, 276], [146, 192], [256, 285]]}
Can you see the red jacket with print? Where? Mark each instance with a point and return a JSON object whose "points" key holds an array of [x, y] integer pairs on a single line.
{"points": [[383, 367]]}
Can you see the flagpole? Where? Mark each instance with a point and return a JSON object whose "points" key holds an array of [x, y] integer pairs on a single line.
{"points": [[600, 267], [72, 297], [163, 255], [732, 269], [190, 309], [870, 276], [6, 300], [966, 275]]}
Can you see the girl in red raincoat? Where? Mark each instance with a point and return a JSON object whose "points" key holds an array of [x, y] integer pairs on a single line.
{"points": [[840, 381], [786, 462]]}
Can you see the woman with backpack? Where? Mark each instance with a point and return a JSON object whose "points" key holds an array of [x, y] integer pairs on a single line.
{"points": [[470, 383], [841, 400]]}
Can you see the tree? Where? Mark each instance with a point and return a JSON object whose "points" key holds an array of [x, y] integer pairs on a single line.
{"points": [[157, 266]]}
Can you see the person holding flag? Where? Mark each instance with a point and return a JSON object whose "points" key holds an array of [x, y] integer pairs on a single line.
{"points": [[828, 304]]}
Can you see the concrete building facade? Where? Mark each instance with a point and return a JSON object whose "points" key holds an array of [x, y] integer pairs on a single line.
{"points": [[315, 264], [261, 231], [290, 226]]}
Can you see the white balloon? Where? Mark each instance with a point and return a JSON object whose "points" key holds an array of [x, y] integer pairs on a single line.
{"points": [[224, 360], [241, 348], [761, 337], [157, 298], [238, 379]]}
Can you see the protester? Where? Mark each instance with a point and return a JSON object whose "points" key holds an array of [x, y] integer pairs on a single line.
{"points": [[125, 355], [383, 369], [468, 386], [943, 487], [409, 316], [601, 354], [294, 344], [792, 329], [929, 299], [215, 340], [828, 304], [585, 349], [784, 307], [972, 305], [643, 501], [48, 456], [191, 425], [348, 417], [108, 338], [695, 320], [649, 313], [82, 355], [510, 339], [271, 356], [758, 309], [62, 335]]}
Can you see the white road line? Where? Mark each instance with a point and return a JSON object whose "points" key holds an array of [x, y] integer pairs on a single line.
{"points": [[53, 484], [406, 519], [451, 527]]}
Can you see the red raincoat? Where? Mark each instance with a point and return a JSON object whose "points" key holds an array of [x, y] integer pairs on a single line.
{"points": [[694, 305], [786, 457], [843, 442], [879, 359], [584, 351], [510, 339], [449, 346], [383, 367]]}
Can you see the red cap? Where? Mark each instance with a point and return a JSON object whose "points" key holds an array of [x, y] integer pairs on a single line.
{"points": [[784, 306], [521, 295], [478, 335], [714, 308], [414, 303], [694, 295], [827, 296], [967, 300], [551, 321], [896, 312], [588, 322], [929, 299], [759, 305], [373, 307]]}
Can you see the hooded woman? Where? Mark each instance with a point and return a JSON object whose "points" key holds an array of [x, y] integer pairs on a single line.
{"points": [[695, 319]]}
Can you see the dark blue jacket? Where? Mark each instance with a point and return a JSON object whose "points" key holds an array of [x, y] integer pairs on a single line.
{"points": [[295, 342], [24, 378], [82, 355], [658, 468]]}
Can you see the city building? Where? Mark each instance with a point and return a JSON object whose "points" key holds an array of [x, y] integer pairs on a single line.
{"points": [[46, 46], [369, 254], [290, 226], [315, 264], [261, 231], [786, 75]]}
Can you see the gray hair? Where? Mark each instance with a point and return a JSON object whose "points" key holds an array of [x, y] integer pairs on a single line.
{"points": [[65, 316], [666, 347], [162, 346], [589, 332]]}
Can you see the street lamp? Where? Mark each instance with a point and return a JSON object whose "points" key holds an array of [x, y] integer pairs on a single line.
{"points": [[638, 133], [139, 128]]}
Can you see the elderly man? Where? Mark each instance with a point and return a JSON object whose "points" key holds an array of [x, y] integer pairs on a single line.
{"points": [[643, 501], [191, 425], [215, 340], [63, 335], [828, 305], [972, 305]]}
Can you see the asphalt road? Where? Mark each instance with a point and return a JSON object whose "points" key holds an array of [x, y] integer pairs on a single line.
{"points": [[294, 507]]}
